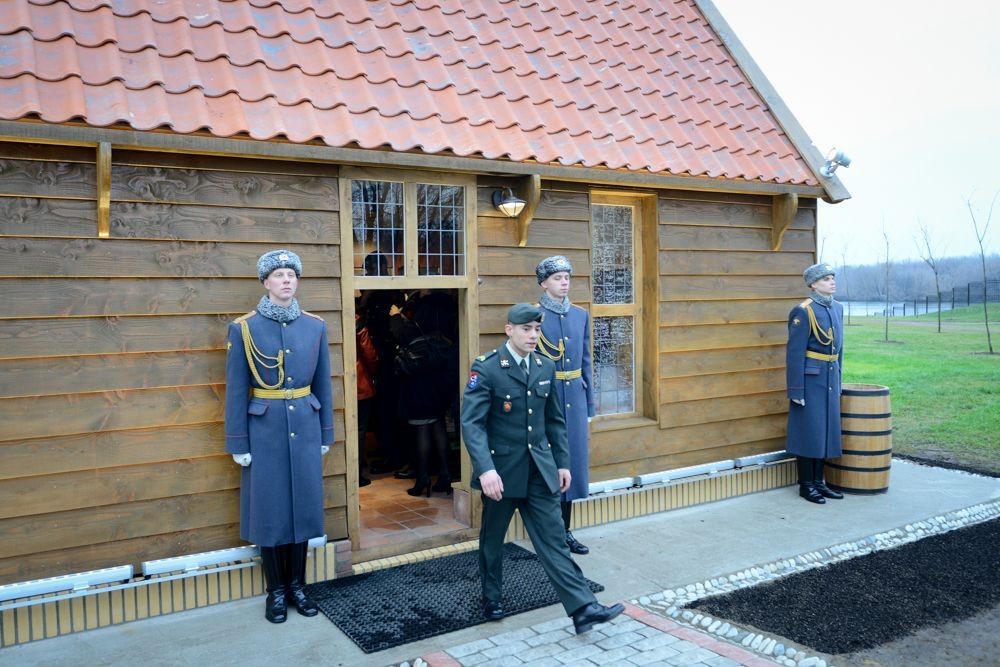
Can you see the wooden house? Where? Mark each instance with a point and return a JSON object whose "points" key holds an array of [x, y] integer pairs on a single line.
{"points": [[149, 155]]}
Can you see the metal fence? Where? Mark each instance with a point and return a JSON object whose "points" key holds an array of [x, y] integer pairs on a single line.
{"points": [[969, 295]]}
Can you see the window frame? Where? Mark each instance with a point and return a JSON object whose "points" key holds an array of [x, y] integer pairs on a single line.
{"points": [[644, 296], [410, 179]]}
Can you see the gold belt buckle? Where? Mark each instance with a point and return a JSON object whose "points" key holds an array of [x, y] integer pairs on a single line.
{"points": [[288, 394]]}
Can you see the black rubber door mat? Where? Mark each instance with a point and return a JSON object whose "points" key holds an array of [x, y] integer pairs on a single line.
{"points": [[400, 605]]}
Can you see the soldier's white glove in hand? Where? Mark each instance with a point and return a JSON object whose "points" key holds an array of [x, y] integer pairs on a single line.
{"points": [[590, 419], [799, 401], [242, 459], [324, 449]]}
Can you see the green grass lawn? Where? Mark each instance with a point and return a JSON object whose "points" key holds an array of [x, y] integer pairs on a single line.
{"points": [[945, 390], [970, 314]]}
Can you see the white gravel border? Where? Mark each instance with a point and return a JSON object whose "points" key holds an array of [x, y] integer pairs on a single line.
{"points": [[669, 602]]}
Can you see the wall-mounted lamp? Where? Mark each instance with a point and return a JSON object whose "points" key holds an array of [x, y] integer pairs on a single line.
{"points": [[834, 159], [505, 202]]}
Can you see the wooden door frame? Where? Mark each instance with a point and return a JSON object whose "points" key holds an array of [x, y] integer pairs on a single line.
{"points": [[466, 286]]}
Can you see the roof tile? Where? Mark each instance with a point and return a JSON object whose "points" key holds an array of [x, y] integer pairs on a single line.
{"points": [[623, 84]]}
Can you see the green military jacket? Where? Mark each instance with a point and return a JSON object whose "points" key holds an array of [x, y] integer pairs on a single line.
{"points": [[507, 418]]}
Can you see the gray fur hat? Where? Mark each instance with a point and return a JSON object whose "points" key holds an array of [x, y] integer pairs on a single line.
{"points": [[278, 259], [817, 271], [551, 265]]}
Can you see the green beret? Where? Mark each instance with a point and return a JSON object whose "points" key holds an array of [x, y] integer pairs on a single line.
{"points": [[522, 313], [817, 271], [278, 259]]}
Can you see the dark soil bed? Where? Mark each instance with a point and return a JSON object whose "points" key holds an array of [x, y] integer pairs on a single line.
{"points": [[867, 601]]}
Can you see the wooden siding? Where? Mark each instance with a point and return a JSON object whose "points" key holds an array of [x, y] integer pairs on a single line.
{"points": [[112, 351], [717, 331]]}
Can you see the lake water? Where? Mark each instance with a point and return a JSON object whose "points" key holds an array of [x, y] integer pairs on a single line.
{"points": [[899, 308]]}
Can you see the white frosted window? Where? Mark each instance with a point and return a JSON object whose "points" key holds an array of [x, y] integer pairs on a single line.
{"points": [[614, 365], [612, 254], [441, 230], [377, 219]]}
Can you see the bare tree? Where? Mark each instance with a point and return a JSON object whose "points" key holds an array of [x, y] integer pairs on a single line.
{"points": [[927, 254], [981, 237], [888, 264], [843, 279]]}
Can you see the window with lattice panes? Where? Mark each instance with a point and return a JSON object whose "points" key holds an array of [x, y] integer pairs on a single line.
{"points": [[615, 309], [408, 228]]}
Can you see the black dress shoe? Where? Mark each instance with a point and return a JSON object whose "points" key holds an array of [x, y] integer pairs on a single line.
{"points": [[381, 468], [575, 546], [493, 610], [363, 481], [826, 491], [405, 473], [589, 615], [809, 492]]}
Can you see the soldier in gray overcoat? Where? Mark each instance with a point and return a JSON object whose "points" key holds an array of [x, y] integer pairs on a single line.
{"points": [[515, 432], [279, 424], [565, 339], [813, 363]]}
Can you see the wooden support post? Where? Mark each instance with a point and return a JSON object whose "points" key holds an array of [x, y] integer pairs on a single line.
{"points": [[531, 192], [104, 189], [783, 210]]}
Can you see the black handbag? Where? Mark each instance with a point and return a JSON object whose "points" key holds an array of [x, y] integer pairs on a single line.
{"points": [[423, 354]]}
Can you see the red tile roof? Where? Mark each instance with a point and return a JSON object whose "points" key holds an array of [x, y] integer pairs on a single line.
{"points": [[633, 85]]}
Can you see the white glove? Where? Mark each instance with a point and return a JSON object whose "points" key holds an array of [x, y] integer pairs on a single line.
{"points": [[242, 459], [799, 401], [324, 449], [590, 419]]}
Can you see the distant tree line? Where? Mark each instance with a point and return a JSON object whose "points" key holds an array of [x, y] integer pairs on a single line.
{"points": [[912, 279]]}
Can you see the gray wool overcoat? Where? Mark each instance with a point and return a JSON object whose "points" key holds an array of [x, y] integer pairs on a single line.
{"points": [[281, 492], [576, 395], [814, 430]]}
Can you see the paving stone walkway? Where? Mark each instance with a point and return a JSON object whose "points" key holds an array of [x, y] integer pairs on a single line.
{"points": [[637, 637]]}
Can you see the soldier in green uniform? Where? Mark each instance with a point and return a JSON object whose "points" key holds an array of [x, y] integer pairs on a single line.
{"points": [[515, 431]]}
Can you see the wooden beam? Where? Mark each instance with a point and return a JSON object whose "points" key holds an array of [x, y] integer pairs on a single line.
{"points": [[783, 212], [81, 135], [531, 188], [104, 189]]}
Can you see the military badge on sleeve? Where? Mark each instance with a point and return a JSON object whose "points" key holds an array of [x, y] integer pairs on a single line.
{"points": [[473, 379], [795, 322]]}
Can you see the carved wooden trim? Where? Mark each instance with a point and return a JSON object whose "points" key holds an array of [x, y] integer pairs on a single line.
{"points": [[783, 210], [531, 191], [104, 189]]}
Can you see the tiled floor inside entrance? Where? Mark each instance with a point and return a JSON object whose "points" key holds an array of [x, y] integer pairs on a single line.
{"points": [[389, 515]]}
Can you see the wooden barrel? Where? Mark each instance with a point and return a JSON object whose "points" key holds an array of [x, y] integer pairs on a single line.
{"points": [[866, 429]]}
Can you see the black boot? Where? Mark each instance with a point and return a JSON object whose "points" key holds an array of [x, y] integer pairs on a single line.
{"points": [[807, 486], [276, 609], [297, 579], [820, 484]]}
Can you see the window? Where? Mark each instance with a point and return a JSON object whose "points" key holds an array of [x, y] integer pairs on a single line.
{"points": [[411, 227], [616, 308]]}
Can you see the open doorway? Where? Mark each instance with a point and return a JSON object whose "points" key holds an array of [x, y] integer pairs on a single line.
{"points": [[408, 374]]}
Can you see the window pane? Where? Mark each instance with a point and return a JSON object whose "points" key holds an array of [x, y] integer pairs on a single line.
{"points": [[440, 228], [377, 218], [614, 365], [612, 254]]}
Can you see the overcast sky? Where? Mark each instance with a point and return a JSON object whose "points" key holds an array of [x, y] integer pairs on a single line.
{"points": [[910, 90]]}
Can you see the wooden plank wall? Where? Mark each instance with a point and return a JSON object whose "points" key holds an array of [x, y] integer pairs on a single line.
{"points": [[724, 302], [720, 327], [507, 272], [112, 351]]}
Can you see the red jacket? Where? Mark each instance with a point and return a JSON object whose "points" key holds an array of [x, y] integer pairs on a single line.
{"points": [[367, 364]]}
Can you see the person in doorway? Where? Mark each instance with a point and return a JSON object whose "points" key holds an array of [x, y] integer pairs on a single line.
{"points": [[515, 432], [427, 364], [279, 425], [565, 339], [813, 359]]}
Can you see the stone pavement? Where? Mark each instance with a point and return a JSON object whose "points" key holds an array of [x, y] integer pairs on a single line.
{"points": [[637, 637], [632, 559]]}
